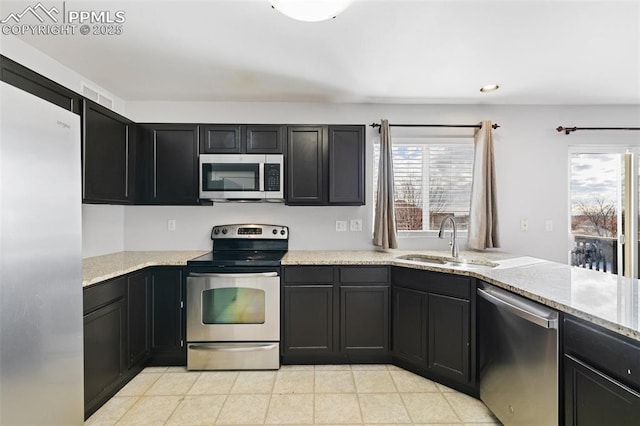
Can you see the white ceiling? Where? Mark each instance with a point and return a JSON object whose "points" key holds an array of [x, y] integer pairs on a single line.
{"points": [[393, 51]]}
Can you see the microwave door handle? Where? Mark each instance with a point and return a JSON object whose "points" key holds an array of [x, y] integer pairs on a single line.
{"points": [[261, 176]]}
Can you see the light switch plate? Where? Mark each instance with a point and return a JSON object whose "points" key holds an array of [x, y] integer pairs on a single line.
{"points": [[341, 225], [171, 225]]}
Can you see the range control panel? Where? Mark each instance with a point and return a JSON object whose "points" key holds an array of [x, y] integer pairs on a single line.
{"points": [[250, 231]]}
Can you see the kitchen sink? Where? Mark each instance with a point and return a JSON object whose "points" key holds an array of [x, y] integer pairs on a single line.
{"points": [[460, 262]]}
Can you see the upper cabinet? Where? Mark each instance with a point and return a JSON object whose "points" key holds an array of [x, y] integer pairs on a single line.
{"points": [[306, 177], [23, 78], [325, 165], [237, 139], [169, 164], [108, 154], [346, 165]]}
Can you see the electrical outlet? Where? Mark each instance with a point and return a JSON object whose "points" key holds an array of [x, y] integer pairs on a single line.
{"points": [[548, 225], [524, 225], [171, 225], [355, 225], [341, 225]]}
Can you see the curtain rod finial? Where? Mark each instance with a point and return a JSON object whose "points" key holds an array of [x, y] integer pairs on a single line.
{"points": [[566, 130], [495, 126]]}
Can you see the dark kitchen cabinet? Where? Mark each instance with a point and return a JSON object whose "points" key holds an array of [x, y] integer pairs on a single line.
{"points": [[364, 321], [346, 165], [364, 312], [23, 78], [138, 318], [167, 317], [308, 320], [236, 139], [108, 156], [335, 314], [308, 323], [325, 165], [306, 175], [105, 341], [601, 376], [409, 309], [434, 327], [449, 340], [169, 164]]}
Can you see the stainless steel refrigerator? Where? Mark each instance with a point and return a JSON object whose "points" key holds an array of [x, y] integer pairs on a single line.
{"points": [[41, 348]]}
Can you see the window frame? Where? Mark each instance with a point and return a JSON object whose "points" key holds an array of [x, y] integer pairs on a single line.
{"points": [[422, 140]]}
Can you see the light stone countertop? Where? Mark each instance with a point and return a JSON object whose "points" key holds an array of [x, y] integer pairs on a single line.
{"points": [[604, 299], [101, 268], [608, 300]]}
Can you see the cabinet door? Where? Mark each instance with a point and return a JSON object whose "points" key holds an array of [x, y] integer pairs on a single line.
{"points": [[306, 170], [592, 398], [138, 318], [105, 343], [409, 312], [308, 320], [449, 337], [174, 164], [346, 165], [263, 139], [220, 139], [167, 334], [108, 156], [364, 321]]}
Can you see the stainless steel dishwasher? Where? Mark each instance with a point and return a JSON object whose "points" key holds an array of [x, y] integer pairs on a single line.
{"points": [[518, 356]]}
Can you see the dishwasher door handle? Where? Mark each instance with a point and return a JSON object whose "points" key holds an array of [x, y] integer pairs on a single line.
{"points": [[520, 311]]}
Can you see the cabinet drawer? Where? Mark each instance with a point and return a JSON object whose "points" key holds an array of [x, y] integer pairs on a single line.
{"points": [[104, 293], [433, 282], [615, 355], [364, 275], [308, 275]]}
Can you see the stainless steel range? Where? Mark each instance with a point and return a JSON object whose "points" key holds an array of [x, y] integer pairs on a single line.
{"points": [[233, 299]]}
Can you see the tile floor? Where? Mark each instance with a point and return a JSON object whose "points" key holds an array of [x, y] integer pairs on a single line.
{"points": [[294, 395]]}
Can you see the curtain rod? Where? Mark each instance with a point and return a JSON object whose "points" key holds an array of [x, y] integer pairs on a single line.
{"points": [[568, 130], [477, 126]]}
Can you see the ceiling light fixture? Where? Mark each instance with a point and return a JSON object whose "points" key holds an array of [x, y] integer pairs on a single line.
{"points": [[310, 10], [489, 88]]}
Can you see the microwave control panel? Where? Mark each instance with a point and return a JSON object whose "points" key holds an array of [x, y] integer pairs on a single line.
{"points": [[272, 177]]}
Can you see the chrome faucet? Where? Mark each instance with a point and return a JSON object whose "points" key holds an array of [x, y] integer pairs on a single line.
{"points": [[453, 242]]}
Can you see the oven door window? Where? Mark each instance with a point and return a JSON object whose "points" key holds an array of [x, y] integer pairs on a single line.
{"points": [[233, 305], [230, 177]]}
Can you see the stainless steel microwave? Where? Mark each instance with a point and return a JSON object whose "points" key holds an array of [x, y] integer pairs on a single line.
{"points": [[242, 177]]}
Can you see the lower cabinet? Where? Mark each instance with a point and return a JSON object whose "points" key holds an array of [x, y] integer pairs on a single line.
{"points": [[167, 317], [434, 327], [106, 353], [129, 322], [335, 314], [601, 376]]}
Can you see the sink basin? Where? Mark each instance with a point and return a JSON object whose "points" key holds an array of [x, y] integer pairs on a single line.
{"points": [[460, 262], [423, 258]]}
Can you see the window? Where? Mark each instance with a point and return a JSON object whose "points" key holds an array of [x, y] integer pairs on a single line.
{"points": [[432, 180], [603, 208]]}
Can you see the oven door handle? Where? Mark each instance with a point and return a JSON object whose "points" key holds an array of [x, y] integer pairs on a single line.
{"points": [[217, 347], [240, 275]]}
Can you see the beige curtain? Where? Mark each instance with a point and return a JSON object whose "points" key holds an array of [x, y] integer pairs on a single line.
{"points": [[483, 215], [384, 225]]}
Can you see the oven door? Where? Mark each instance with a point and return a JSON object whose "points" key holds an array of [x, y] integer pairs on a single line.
{"points": [[233, 307]]}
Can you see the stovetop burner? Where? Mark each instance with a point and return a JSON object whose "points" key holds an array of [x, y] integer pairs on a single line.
{"points": [[245, 245]]}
